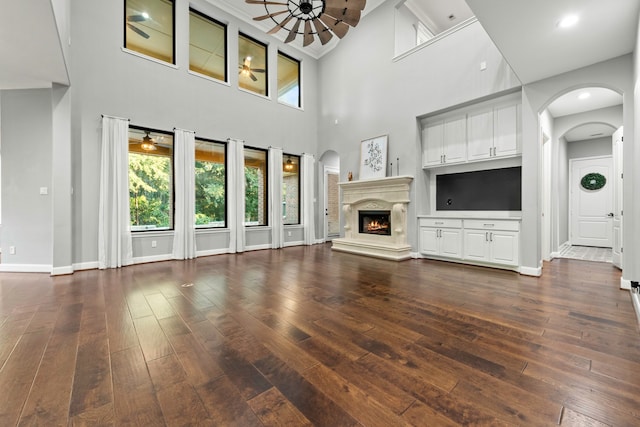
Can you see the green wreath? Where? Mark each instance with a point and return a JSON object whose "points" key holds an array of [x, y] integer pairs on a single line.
{"points": [[593, 181]]}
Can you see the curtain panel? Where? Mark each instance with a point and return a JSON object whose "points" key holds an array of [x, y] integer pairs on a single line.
{"points": [[275, 197], [235, 194], [184, 238], [115, 248], [308, 211]]}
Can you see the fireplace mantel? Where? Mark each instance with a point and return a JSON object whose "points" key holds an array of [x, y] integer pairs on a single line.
{"points": [[391, 194]]}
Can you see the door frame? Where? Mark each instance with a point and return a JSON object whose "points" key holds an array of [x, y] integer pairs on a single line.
{"points": [[326, 171]]}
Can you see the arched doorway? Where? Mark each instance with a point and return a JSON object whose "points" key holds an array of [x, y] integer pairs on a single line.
{"points": [[577, 124]]}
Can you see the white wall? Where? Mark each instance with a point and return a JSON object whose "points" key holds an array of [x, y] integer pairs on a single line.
{"points": [[107, 80], [369, 94], [26, 168], [589, 148]]}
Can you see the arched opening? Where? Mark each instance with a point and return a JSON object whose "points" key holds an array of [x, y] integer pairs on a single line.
{"points": [[576, 125], [329, 171]]}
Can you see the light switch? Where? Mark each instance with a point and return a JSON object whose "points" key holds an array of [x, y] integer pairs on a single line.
{"points": [[44, 190]]}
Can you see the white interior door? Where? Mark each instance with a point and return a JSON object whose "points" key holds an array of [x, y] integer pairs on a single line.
{"points": [[616, 253], [591, 218], [331, 203]]}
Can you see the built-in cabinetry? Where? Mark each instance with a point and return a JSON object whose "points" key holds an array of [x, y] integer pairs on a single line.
{"points": [[478, 241], [478, 132]]}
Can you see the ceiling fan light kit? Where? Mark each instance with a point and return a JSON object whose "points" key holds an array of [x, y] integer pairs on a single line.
{"points": [[329, 17]]}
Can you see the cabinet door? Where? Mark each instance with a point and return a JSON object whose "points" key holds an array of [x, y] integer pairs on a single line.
{"points": [[506, 141], [480, 142], [432, 144], [504, 247], [450, 243], [429, 240], [455, 140], [476, 245]]}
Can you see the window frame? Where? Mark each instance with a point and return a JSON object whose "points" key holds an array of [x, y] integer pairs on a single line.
{"points": [[226, 45], [226, 185], [284, 156], [266, 65], [266, 186], [291, 58], [172, 214], [144, 55]]}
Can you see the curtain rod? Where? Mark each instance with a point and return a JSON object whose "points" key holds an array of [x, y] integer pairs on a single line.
{"points": [[114, 117]]}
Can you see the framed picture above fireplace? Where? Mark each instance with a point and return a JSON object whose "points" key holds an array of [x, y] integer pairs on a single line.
{"points": [[373, 157]]}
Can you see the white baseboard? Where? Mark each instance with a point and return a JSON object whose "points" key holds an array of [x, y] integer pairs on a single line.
{"points": [[25, 268], [416, 255], [530, 271], [288, 244], [61, 271], [319, 241], [257, 247], [153, 258], [210, 252], [625, 284], [635, 299], [93, 265]]}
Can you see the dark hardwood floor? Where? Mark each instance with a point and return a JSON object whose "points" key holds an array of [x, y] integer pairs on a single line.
{"points": [[306, 336]]}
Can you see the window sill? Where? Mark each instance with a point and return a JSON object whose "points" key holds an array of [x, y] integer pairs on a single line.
{"points": [[149, 58], [212, 230], [254, 93], [209, 78], [151, 233], [295, 107]]}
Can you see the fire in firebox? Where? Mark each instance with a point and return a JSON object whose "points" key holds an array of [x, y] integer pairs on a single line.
{"points": [[375, 222]]}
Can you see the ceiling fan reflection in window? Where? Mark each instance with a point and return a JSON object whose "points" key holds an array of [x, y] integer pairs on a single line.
{"points": [[139, 17], [328, 17], [246, 70]]}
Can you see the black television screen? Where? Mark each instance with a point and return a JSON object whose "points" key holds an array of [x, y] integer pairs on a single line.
{"points": [[484, 190]]}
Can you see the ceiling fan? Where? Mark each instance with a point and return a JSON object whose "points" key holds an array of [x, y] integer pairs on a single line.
{"points": [[329, 17], [245, 69], [141, 17], [148, 144]]}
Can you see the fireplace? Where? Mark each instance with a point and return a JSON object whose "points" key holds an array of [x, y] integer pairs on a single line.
{"points": [[375, 217], [375, 222]]}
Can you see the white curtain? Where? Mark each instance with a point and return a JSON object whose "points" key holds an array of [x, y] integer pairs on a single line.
{"points": [[275, 197], [308, 211], [184, 153], [235, 194], [114, 224]]}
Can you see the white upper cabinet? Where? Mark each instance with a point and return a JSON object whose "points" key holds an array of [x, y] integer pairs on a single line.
{"points": [[444, 142], [479, 132]]}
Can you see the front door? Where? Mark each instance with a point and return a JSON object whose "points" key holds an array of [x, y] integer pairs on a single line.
{"points": [[591, 218]]}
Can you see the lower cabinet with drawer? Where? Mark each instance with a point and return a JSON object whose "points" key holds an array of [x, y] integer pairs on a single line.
{"points": [[476, 241]]}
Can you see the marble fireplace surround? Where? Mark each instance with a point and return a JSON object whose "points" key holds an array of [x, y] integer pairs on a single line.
{"points": [[384, 194]]}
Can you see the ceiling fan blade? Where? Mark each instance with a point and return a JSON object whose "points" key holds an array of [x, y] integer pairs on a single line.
{"points": [[323, 32], [293, 32], [349, 4], [280, 25], [265, 2], [308, 34], [258, 70], [138, 31], [339, 28], [253, 77], [137, 18], [271, 15], [351, 17]]}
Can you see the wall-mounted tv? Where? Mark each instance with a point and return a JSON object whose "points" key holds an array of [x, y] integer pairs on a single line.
{"points": [[484, 190]]}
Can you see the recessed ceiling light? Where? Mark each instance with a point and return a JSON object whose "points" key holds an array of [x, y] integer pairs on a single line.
{"points": [[584, 95], [568, 21]]}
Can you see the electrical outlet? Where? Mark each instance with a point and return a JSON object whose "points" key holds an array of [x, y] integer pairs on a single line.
{"points": [[154, 244], [288, 234], [12, 250]]}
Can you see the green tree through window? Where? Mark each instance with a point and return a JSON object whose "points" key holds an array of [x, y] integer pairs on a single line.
{"points": [[149, 190]]}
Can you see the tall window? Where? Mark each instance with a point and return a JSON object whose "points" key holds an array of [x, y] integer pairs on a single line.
{"points": [[252, 68], [207, 46], [255, 174], [150, 179], [290, 189], [149, 28], [211, 180], [288, 80]]}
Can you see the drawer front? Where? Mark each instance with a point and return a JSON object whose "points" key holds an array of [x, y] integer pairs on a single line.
{"points": [[489, 224], [441, 222]]}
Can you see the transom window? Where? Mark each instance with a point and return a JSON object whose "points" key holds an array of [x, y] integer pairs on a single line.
{"points": [[211, 183], [255, 173], [150, 179], [207, 46], [288, 80], [252, 69], [149, 28], [290, 189]]}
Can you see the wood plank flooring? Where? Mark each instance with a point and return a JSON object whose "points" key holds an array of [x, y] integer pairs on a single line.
{"points": [[305, 336]]}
